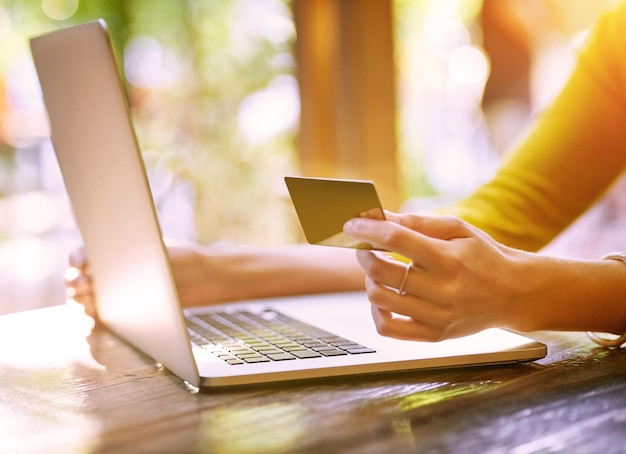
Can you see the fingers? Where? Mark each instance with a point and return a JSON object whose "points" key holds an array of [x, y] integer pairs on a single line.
{"points": [[389, 324], [406, 316], [414, 236], [440, 227], [384, 269], [77, 278], [77, 258], [392, 236], [394, 274], [374, 213], [78, 285], [79, 290], [431, 306]]}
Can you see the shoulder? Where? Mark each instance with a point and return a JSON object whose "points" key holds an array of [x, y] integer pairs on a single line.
{"points": [[609, 28], [604, 51]]}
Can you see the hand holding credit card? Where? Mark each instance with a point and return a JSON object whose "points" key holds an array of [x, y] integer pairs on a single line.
{"points": [[324, 205]]}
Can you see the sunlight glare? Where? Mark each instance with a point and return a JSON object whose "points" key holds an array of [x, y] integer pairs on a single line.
{"points": [[467, 65], [149, 65], [29, 260], [34, 212], [444, 32], [268, 112], [5, 22]]}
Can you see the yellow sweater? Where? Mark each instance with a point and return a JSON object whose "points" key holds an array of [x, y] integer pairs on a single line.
{"points": [[572, 154]]}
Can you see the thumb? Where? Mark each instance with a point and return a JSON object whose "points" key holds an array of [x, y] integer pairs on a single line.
{"points": [[77, 258], [443, 227]]}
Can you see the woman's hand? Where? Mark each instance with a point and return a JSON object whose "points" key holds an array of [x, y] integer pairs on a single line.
{"points": [[460, 280], [203, 275], [198, 276], [190, 266], [208, 275], [78, 283]]}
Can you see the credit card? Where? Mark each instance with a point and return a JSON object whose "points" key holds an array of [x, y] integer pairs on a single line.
{"points": [[324, 205]]}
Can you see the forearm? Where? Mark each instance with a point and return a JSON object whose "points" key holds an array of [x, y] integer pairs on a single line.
{"points": [[289, 270], [570, 295]]}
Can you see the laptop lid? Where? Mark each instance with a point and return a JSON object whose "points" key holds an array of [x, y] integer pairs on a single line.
{"points": [[105, 178]]}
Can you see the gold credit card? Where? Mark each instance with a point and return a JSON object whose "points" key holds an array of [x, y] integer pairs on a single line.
{"points": [[324, 205]]}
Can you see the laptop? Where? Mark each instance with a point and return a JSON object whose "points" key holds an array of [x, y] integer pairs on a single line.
{"points": [[284, 339]]}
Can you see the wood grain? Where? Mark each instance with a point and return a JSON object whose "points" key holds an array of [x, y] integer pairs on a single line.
{"points": [[69, 388]]}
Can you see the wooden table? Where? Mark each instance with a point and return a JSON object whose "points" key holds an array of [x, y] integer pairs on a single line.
{"points": [[66, 387]]}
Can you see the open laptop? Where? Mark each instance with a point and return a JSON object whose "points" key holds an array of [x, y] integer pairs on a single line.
{"points": [[104, 174]]}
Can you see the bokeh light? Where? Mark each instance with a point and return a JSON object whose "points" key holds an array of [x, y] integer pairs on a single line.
{"points": [[148, 65], [468, 66], [443, 31], [271, 111], [216, 105], [28, 261], [5, 22], [59, 9]]}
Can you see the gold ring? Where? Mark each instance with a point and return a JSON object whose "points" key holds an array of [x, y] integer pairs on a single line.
{"points": [[406, 275]]}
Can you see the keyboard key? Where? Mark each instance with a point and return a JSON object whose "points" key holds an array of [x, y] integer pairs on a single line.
{"points": [[238, 337], [270, 351], [305, 354], [322, 348], [280, 356], [234, 361], [358, 351], [260, 359], [334, 352]]}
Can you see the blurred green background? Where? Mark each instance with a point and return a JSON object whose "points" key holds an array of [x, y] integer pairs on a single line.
{"points": [[214, 96]]}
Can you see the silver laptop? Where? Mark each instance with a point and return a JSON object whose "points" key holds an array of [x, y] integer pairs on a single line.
{"points": [[282, 339]]}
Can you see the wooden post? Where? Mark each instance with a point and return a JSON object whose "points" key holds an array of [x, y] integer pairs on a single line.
{"points": [[346, 73]]}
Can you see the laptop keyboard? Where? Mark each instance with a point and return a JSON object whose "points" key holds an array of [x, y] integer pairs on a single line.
{"points": [[244, 337]]}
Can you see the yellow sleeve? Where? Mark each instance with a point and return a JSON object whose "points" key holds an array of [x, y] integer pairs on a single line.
{"points": [[570, 157]]}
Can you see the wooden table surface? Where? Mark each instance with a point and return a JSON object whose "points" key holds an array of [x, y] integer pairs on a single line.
{"points": [[66, 387]]}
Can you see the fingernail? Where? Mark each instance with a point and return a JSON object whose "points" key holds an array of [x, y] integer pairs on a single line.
{"points": [[348, 225]]}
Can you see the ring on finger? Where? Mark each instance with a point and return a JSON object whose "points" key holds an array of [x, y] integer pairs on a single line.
{"points": [[404, 278]]}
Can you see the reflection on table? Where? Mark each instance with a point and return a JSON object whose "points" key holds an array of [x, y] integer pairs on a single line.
{"points": [[70, 387]]}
